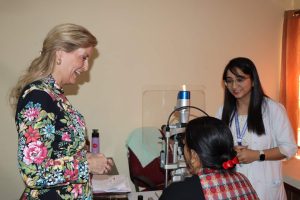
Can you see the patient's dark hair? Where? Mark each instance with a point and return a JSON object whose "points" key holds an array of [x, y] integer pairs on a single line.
{"points": [[211, 138]]}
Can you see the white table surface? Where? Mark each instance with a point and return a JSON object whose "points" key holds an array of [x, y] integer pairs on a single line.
{"points": [[291, 172]]}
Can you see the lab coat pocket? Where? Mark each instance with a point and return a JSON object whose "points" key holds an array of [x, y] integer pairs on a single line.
{"points": [[277, 190], [267, 181]]}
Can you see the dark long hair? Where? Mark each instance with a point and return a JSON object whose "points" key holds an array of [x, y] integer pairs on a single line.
{"points": [[255, 120], [211, 138]]}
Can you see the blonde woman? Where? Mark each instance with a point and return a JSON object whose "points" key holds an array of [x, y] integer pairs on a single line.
{"points": [[51, 133]]}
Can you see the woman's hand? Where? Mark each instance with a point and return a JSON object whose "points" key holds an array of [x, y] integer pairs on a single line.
{"points": [[246, 155], [98, 163]]}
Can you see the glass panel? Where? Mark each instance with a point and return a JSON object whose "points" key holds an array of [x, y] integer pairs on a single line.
{"points": [[158, 103]]}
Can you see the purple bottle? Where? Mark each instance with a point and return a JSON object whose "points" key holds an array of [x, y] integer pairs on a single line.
{"points": [[95, 141]]}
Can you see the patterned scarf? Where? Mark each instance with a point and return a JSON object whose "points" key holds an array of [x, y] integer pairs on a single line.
{"points": [[225, 184]]}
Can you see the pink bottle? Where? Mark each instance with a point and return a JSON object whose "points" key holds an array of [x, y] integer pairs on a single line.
{"points": [[95, 141]]}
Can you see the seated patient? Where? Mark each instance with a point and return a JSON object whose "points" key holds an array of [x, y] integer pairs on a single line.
{"points": [[210, 156]]}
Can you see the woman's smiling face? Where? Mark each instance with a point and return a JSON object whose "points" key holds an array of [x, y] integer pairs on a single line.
{"points": [[239, 84], [72, 65]]}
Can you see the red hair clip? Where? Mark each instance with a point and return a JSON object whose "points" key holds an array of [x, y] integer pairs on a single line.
{"points": [[230, 163]]}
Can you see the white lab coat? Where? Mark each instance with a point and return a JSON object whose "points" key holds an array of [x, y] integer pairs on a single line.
{"points": [[266, 176]]}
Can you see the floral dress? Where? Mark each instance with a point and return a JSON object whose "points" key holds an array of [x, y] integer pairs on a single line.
{"points": [[51, 144]]}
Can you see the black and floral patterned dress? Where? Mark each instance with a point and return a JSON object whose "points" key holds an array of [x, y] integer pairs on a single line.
{"points": [[51, 144]]}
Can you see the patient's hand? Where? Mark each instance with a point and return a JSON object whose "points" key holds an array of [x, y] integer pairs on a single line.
{"points": [[98, 163]]}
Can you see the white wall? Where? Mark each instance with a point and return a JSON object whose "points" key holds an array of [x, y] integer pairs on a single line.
{"points": [[142, 44], [296, 4]]}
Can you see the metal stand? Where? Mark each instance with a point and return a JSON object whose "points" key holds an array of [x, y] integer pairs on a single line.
{"points": [[177, 165]]}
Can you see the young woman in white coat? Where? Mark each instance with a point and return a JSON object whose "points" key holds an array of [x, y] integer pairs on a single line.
{"points": [[260, 126]]}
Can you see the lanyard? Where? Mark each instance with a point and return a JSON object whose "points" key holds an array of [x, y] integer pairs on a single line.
{"points": [[239, 134]]}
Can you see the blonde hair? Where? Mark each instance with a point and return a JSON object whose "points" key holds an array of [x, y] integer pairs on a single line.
{"points": [[66, 37]]}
